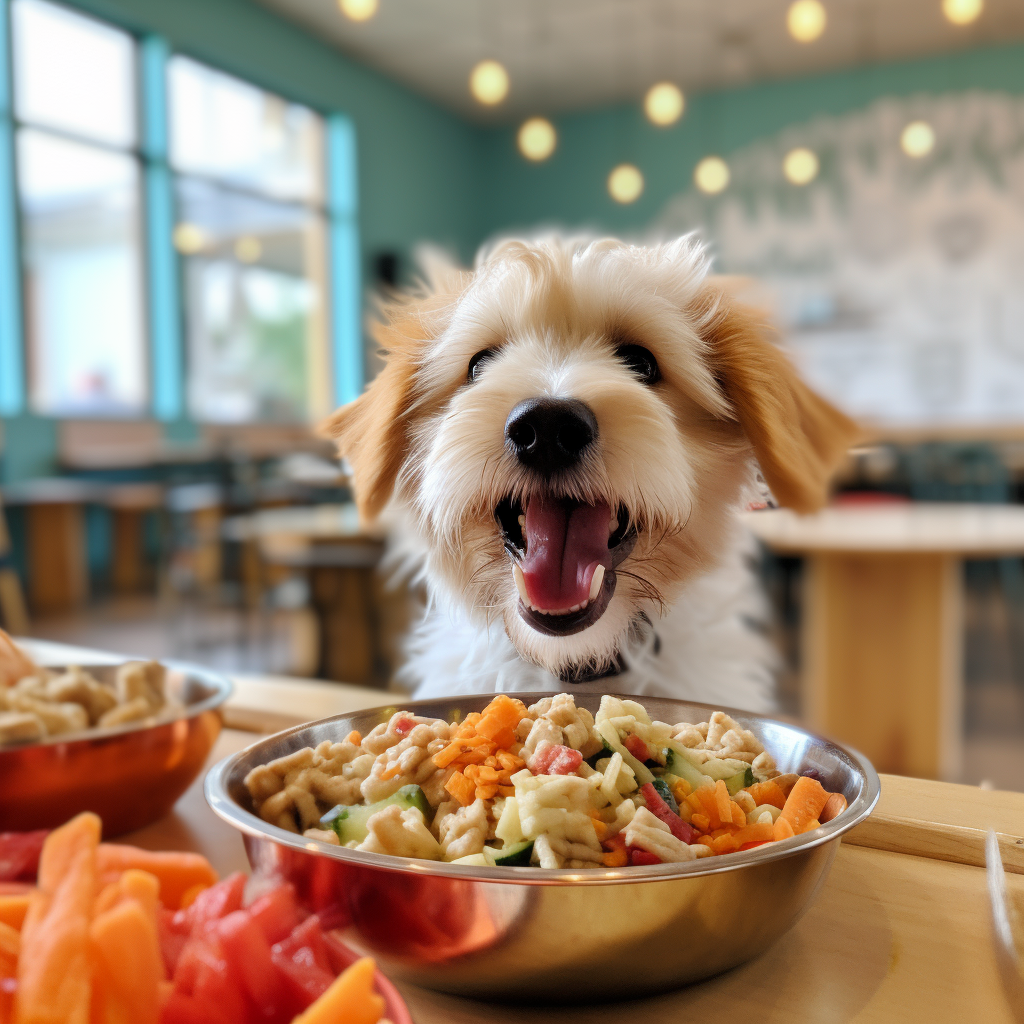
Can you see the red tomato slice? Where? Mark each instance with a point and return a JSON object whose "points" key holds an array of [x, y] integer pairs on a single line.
{"points": [[638, 857], [680, 829], [212, 904], [276, 913], [637, 747], [248, 955]]}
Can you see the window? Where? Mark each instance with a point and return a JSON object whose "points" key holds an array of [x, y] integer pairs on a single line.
{"points": [[252, 233], [79, 197]]}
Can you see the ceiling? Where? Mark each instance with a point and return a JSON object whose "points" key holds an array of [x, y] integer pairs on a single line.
{"points": [[573, 54]]}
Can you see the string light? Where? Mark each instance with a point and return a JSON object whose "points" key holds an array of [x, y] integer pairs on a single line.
{"points": [[711, 175], [664, 104], [537, 138], [917, 139], [962, 12], [488, 82], [358, 10], [248, 249], [625, 183], [806, 20], [800, 166]]}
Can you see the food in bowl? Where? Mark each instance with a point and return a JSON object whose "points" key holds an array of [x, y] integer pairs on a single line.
{"points": [[114, 933], [548, 785], [37, 703]]}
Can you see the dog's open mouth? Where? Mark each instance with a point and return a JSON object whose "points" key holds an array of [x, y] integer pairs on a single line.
{"points": [[564, 554]]}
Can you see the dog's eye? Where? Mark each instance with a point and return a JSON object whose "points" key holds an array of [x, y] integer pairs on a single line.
{"points": [[476, 364], [641, 362]]}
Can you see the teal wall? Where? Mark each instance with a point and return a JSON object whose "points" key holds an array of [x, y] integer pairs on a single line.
{"points": [[569, 189]]}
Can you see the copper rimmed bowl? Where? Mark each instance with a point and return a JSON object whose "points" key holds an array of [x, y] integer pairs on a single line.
{"points": [[130, 775], [537, 934]]}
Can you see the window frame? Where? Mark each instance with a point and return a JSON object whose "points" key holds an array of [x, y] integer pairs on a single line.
{"points": [[163, 297]]}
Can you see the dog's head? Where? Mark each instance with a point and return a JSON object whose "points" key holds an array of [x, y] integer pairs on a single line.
{"points": [[571, 426]]}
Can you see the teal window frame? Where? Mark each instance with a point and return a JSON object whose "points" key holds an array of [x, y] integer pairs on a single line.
{"points": [[164, 301]]}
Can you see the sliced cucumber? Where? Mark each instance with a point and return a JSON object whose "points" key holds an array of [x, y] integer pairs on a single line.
{"points": [[605, 751], [680, 765], [734, 783], [723, 767], [662, 788], [611, 737], [476, 860], [515, 856], [349, 821]]}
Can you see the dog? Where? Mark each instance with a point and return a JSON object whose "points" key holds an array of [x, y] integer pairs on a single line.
{"points": [[565, 435]]}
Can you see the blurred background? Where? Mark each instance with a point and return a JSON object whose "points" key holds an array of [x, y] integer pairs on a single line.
{"points": [[198, 199]]}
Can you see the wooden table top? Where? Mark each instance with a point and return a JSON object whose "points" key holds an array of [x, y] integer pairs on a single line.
{"points": [[313, 522], [915, 527], [900, 932]]}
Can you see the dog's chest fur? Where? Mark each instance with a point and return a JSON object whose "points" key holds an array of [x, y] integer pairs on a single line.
{"points": [[709, 646]]}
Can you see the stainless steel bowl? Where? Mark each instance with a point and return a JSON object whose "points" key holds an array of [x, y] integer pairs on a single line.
{"points": [[536, 934], [130, 775]]}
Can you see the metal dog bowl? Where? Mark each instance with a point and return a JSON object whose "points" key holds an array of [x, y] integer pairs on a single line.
{"points": [[536, 934]]}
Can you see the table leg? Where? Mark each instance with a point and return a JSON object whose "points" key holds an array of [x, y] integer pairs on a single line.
{"points": [[883, 658], [345, 623], [57, 575]]}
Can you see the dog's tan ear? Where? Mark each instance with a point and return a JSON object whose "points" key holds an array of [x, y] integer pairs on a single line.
{"points": [[799, 438], [372, 433]]}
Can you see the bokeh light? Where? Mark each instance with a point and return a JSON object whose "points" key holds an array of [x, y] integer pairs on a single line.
{"points": [[189, 238], [625, 183], [962, 12], [711, 175], [537, 138], [917, 139], [806, 20], [664, 103], [358, 10], [800, 166], [488, 82]]}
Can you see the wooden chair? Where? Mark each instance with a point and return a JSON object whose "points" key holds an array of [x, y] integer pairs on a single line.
{"points": [[12, 599]]}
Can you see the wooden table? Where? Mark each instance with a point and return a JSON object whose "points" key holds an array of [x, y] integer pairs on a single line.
{"points": [[882, 631], [899, 933]]}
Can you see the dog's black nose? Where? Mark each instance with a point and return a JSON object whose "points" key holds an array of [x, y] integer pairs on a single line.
{"points": [[550, 434]]}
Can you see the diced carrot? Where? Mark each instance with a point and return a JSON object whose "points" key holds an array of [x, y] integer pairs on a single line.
{"points": [[681, 789], [755, 834], [392, 771], [695, 802], [723, 801], [811, 826], [707, 841], [132, 885], [461, 788], [126, 942], [805, 802], [351, 998], [487, 792], [176, 872], [769, 792], [725, 844], [13, 909], [55, 966], [615, 858], [782, 829], [354, 738], [506, 791], [701, 821], [739, 816], [509, 761], [834, 806], [600, 828]]}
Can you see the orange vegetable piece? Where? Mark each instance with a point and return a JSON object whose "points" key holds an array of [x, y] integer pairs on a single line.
{"points": [[390, 773], [463, 789], [133, 884], [351, 998], [10, 946], [805, 802], [700, 821], [55, 967], [128, 949], [769, 792], [176, 872], [810, 826], [725, 844], [782, 829], [13, 909], [615, 859], [834, 806], [354, 738], [723, 801], [755, 834], [739, 816]]}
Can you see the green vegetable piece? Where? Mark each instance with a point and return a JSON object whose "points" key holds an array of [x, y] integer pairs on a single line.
{"points": [[739, 781], [661, 787], [349, 821], [516, 856]]}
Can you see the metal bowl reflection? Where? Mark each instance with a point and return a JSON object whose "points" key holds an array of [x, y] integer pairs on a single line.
{"points": [[130, 775], [530, 933]]}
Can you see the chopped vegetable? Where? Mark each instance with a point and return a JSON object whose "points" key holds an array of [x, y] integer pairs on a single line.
{"points": [[767, 793], [177, 872], [680, 829], [834, 806], [13, 909], [350, 998], [805, 802]]}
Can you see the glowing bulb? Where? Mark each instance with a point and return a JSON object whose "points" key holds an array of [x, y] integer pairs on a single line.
{"points": [[806, 20], [962, 12], [664, 103], [488, 82], [358, 10], [711, 175], [537, 138], [800, 166], [917, 139], [189, 238], [248, 249], [625, 183]]}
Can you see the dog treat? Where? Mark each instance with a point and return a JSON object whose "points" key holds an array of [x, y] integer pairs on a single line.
{"points": [[36, 703], [549, 785]]}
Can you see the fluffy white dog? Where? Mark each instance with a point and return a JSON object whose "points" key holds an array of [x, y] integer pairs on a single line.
{"points": [[567, 434]]}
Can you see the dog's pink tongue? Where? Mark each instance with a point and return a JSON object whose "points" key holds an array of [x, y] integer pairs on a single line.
{"points": [[564, 546]]}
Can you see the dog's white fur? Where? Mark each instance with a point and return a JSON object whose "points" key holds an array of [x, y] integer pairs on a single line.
{"points": [[679, 457]]}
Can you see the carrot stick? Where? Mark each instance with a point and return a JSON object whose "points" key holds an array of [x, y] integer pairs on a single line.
{"points": [[54, 968], [177, 872], [805, 802], [126, 944], [782, 829], [133, 884], [350, 998], [13, 910], [834, 806], [755, 834], [723, 802]]}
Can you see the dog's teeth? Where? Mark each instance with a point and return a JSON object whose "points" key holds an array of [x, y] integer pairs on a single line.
{"points": [[575, 608], [596, 582], [522, 520], [517, 575]]}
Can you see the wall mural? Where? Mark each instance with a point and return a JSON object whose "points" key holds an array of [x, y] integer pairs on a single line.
{"points": [[899, 281]]}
